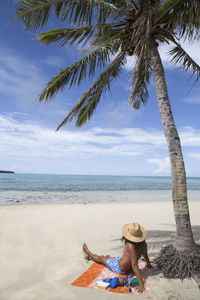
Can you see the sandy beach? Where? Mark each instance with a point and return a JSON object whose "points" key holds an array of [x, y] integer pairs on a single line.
{"points": [[41, 247]]}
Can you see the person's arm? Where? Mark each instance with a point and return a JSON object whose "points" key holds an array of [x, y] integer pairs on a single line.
{"points": [[134, 263], [146, 257]]}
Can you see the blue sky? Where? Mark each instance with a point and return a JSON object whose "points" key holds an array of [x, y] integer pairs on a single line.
{"points": [[117, 141]]}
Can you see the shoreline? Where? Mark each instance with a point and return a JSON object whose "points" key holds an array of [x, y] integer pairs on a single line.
{"points": [[82, 204], [87, 197], [41, 247]]}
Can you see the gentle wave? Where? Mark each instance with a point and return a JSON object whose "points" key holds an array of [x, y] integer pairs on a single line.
{"points": [[41, 188], [88, 197], [75, 183]]}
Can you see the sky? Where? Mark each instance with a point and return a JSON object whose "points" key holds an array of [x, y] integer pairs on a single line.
{"points": [[118, 140]]}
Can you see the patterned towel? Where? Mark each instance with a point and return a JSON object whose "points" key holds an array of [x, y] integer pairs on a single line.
{"points": [[98, 272]]}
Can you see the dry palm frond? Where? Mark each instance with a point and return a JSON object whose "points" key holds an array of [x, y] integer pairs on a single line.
{"points": [[179, 264], [140, 80]]}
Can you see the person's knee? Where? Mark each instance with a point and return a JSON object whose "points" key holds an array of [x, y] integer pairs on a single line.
{"points": [[104, 260]]}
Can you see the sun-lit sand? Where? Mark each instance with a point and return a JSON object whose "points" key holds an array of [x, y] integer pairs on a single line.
{"points": [[41, 247]]}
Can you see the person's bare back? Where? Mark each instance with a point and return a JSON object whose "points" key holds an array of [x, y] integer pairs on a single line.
{"points": [[133, 237], [131, 255]]}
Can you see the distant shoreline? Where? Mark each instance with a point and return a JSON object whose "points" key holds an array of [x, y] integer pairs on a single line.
{"points": [[1, 171]]}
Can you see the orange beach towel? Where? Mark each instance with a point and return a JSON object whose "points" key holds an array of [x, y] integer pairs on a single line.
{"points": [[98, 272]]}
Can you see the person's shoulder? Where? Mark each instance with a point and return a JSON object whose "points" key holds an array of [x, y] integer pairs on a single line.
{"points": [[130, 246], [131, 250]]}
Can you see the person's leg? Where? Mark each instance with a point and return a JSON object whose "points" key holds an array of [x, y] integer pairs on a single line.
{"points": [[100, 259]]}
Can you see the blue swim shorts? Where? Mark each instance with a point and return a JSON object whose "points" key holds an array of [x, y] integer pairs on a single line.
{"points": [[113, 265]]}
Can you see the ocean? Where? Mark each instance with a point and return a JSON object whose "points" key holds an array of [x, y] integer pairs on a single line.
{"points": [[43, 188]]}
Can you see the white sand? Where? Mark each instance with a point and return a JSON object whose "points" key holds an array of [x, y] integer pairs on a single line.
{"points": [[41, 248]]}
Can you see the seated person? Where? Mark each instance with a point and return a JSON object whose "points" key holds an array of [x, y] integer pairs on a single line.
{"points": [[133, 237]]}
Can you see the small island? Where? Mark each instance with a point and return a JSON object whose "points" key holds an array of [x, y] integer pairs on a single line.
{"points": [[1, 171]]}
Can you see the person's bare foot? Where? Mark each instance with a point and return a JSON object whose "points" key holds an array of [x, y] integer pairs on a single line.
{"points": [[86, 252]]}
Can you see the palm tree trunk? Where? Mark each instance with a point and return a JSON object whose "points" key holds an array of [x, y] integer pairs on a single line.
{"points": [[184, 237]]}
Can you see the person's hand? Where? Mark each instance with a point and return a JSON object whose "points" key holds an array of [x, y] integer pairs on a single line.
{"points": [[140, 289]]}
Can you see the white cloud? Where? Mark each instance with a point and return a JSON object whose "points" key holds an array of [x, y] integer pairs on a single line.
{"points": [[116, 114], [194, 155], [19, 77], [162, 165], [23, 138], [131, 60], [164, 54], [193, 100], [54, 61], [137, 135], [190, 137], [191, 48], [26, 139]]}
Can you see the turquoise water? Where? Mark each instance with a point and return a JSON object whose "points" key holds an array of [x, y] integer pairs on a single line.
{"points": [[77, 188], [42, 182]]}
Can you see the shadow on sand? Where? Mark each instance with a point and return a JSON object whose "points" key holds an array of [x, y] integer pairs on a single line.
{"points": [[158, 239]]}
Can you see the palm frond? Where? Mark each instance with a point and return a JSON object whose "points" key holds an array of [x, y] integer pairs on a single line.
{"points": [[34, 14], [78, 71], [89, 100], [110, 37], [184, 15], [140, 41], [122, 4], [77, 35], [183, 60], [140, 80], [165, 7], [83, 11]]}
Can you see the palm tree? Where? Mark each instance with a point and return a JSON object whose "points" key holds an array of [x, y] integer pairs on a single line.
{"points": [[115, 30]]}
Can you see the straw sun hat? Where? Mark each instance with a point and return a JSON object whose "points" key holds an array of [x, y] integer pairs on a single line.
{"points": [[134, 232]]}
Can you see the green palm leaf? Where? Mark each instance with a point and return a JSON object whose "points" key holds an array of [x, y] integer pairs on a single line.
{"points": [[122, 4], [82, 11], [89, 100], [77, 35], [78, 71], [183, 59], [34, 14], [184, 15], [127, 25]]}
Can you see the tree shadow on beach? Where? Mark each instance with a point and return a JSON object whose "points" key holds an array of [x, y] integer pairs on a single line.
{"points": [[158, 239]]}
